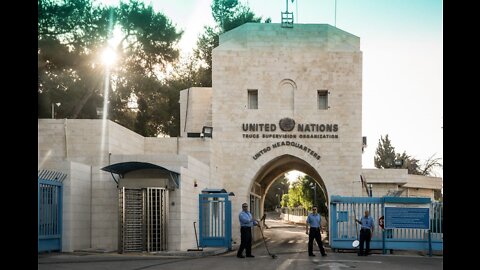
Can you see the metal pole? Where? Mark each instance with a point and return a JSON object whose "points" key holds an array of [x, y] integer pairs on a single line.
{"points": [[335, 13], [53, 110], [383, 242], [296, 7], [429, 244]]}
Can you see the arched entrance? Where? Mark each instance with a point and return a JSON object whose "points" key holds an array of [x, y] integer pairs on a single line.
{"points": [[271, 171]]}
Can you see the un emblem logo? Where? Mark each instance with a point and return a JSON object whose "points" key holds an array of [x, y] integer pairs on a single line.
{"points": [[287, 124]]}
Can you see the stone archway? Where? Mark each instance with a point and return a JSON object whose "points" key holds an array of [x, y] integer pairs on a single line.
{"points": [[275, 168]]}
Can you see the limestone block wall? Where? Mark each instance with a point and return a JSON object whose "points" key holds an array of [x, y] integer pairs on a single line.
{"points": [[384, 189], [86, 141], [385, 180], [51, 141], [182, 233], [77, 204], [161, 145], [124, 141], [385, 175], [420, 181], [419, 192], [104, 210], [195, 109], [287, 67]]}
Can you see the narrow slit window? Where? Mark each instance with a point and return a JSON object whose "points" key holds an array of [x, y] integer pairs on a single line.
{"points": [[253, 99], [322, 99]]}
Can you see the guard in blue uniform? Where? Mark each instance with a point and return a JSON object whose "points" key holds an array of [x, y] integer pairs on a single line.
{"points": [[366, 232], [246, 224], [313, 220]]}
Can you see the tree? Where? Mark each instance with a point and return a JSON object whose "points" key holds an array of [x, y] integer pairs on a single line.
{"points": [[309, 184], [72, 36], [273, 198], [295, 195], [385, 154], [385, 157], [228, 14], [430, 164]]}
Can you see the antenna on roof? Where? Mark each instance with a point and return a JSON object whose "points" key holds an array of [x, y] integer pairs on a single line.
{"points": [[296, 9], [335, 13], [287, 17]]}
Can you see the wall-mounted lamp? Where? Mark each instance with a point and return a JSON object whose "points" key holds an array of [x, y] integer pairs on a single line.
{"points": [[206, 132], [398, 163], [195, 183]]}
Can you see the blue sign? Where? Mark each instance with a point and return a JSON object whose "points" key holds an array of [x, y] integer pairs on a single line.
{"points": [[404, 217]]}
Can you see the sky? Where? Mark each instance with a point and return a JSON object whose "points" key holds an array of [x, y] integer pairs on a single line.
{"points": [[402, 46]]}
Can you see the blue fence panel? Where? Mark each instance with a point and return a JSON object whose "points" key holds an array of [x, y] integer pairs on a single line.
{"points": [[50, 211], [344, 230]]}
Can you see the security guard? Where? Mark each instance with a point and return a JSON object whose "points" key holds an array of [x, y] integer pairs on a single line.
{"points": [[313, 220], [366, 232], [246, 224]]}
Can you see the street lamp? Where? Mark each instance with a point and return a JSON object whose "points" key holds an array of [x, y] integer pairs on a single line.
{"points": [[398, 163], [53, 108]]}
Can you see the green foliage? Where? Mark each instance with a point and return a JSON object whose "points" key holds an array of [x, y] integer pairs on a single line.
{"points": [[295, 195], [276, 191], [228, 14], [385, 154], [71, 37], [302, 194], [70, 33], [285, 199], [385, 157]]}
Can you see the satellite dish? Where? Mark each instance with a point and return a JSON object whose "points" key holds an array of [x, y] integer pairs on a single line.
{"points": [[355, 243]]}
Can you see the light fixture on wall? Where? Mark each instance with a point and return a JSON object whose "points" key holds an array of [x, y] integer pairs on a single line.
{"points": [[206, 132], [398, 163], [195, 183]]}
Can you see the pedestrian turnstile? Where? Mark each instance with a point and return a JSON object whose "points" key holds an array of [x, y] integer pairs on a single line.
{"points": [[143, 219]]}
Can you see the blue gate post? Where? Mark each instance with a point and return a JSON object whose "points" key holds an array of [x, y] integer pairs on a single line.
{"points": [[429, 243], [228, 224], [333, 221], [384, 251]]}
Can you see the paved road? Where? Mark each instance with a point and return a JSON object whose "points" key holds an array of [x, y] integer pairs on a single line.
{"points": [[288, 242]]}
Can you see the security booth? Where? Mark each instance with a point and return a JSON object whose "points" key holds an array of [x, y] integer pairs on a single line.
{"points": [[215, 214], [143, 203]]}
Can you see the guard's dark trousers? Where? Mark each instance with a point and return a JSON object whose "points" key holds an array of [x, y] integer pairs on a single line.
{"points": [[365, 235], [245, 241], [315, 234]]}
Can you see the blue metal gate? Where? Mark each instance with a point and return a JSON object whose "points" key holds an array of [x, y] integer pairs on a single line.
{"points": [[343, 228], [215, 226], [50, 210]]}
